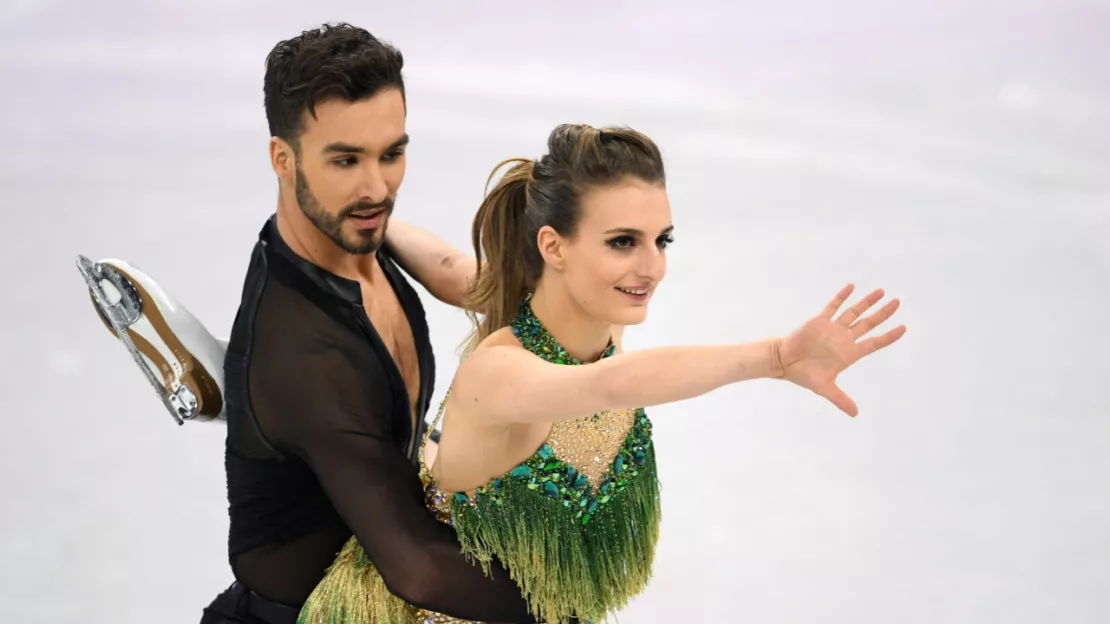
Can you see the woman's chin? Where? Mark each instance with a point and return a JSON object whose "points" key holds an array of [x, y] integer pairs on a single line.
{"points": [[629, 316]]}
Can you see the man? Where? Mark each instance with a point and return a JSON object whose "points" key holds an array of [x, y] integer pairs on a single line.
{"points": [[329, 369]]}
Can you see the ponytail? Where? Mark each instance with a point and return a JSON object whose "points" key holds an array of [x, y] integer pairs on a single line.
{"points": [[500, 235], [534, 194]]}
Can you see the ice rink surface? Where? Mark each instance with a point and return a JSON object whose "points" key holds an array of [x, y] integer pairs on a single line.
{"points": [[955, 153]]}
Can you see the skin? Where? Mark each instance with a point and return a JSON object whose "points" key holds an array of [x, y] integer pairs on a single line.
{"points": [[504, 400], [349, 159], [621, 240]]}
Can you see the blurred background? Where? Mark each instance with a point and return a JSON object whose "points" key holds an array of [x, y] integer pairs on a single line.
{"points": [[955, 153]]}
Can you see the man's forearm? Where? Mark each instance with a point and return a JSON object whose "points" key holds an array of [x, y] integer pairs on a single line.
{"points": [[443, 270], [379, 496]]}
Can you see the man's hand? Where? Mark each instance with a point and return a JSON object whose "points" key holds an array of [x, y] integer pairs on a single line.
{"points": [[442, 270]]}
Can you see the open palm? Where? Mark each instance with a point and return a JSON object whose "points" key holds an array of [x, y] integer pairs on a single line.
{"points": [[817, 352]]}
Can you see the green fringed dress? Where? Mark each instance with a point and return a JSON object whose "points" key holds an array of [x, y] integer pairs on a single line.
{"points": [[576, 524]]}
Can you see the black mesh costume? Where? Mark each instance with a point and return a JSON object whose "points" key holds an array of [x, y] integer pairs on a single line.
{"points": [[320, 445]]}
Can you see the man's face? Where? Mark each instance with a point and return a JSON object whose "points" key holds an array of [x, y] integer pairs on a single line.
{"points": [[350, 164]]}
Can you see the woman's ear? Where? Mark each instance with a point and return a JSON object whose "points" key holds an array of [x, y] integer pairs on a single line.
{"points": [[552, 247]]}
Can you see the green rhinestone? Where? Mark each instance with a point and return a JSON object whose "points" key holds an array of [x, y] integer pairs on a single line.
{"points": [[618, 464], [551, 490], [521, 471], [604, 499], [546, 451], [585, 518], [592, 508], [461, 498]]}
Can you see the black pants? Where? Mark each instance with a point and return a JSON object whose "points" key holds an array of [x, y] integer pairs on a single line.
{"points": [[239, 605]]}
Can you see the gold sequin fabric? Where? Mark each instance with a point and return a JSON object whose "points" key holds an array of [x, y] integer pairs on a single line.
{"points": [[437, 501], [591, 443], [427, 617]]}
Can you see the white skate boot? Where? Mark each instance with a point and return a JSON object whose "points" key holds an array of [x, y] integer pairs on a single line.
{"points": [[179, 356]]}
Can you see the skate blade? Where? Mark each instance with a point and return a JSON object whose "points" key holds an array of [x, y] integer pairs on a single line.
{"points": [[182, 383]]}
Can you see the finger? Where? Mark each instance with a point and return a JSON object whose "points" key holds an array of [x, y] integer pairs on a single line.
{"points": [[871, 322], [841, 400], [871, 345], [837, 301], [851, 314]]}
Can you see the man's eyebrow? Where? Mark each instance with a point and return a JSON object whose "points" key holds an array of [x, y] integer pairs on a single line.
{"points": [[401, 142], [345, 148], [348, 148]]}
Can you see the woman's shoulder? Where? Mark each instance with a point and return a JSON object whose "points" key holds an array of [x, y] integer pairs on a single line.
{"points": [[477, 356], [503, 337]]}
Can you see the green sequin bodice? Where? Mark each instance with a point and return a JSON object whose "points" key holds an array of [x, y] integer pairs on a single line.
{"points": [[576, 523], [554, 474]]}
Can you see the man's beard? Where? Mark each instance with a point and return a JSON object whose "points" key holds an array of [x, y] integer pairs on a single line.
{"points": [[365, 241]]}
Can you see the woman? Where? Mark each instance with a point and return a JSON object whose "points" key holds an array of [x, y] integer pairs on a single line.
{"points": [[546, 460]]}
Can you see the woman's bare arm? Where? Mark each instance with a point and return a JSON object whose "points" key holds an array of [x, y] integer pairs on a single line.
{"points": [[509, 384]]}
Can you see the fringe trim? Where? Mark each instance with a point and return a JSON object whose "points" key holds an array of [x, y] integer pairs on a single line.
{"points": [[566, 565], [352, 591]]}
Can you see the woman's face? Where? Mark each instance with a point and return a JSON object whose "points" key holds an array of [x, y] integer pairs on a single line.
{"points": [[617, 256]]}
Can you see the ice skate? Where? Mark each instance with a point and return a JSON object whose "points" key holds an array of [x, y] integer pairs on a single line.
{"points": [[178, 355]]}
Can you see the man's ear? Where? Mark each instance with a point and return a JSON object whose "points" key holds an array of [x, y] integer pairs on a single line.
{"points": [[283, 159]]}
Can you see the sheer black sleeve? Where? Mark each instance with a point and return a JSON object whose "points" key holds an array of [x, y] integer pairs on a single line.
{"points": [[332, 406]]}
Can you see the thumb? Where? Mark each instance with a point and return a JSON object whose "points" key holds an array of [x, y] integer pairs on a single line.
{"points": [[839, 398]]}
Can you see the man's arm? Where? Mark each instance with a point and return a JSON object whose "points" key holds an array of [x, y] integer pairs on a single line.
{"points": [[332, 407], [444, 271]]}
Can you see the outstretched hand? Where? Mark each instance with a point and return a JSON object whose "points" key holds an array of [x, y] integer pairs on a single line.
{"points": [[818, 351]]}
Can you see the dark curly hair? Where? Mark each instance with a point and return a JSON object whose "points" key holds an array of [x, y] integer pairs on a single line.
{"points": [[337, 60]]}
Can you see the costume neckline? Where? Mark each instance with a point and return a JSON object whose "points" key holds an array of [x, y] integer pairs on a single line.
{"points": [[535, 337]]}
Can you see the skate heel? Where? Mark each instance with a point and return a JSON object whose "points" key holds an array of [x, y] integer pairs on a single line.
{"points": [[176, 353]]}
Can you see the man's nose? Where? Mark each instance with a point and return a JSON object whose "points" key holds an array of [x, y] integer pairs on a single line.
{"points": [[373, 188]]}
